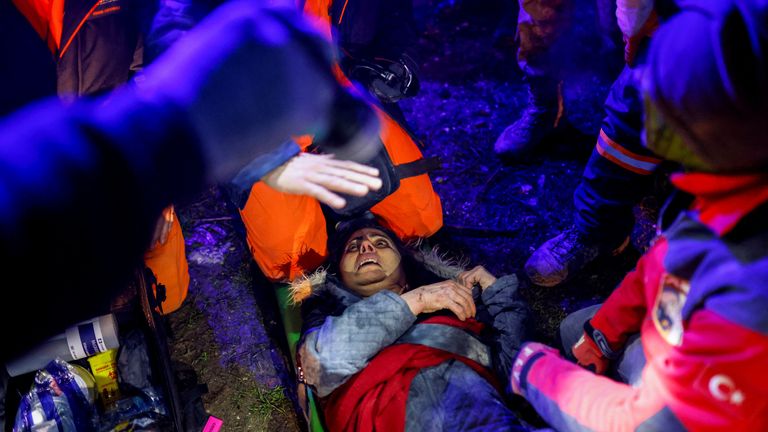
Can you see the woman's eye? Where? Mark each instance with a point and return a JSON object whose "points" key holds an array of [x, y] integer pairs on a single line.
{"points": [[381, 243], [352, 248]]}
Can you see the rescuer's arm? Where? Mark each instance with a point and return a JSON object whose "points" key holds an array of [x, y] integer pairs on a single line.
{"points": [[620, 316], [80, 189]]}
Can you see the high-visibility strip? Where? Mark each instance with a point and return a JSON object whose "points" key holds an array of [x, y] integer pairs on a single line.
{"points": [[106, 11], [74, 33], [624, 158], [622, 149], [343, 9]]}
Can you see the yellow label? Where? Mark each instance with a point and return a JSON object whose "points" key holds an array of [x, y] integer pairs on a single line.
{"points": [[104, 368]]}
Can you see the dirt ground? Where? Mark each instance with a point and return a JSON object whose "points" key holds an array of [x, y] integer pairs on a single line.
{"points": [[495, 214], [221, 332]]}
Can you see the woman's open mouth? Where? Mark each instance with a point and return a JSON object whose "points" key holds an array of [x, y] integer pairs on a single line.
{"points": [[367, 261]]}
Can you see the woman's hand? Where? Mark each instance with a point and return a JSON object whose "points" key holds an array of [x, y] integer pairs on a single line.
{"points": [[477, 276], [442, 295]]}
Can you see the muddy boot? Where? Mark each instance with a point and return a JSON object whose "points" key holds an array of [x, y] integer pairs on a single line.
{"points": [[561, 257], [538, 120]]}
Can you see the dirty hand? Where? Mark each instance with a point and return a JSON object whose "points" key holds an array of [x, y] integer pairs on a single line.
{"points": [[163, 227], [319, 176], [441, 295], [477, 276]]}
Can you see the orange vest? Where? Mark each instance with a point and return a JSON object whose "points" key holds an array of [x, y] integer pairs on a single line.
{"points": [[287, 233], [168, 261], [47, 18]]}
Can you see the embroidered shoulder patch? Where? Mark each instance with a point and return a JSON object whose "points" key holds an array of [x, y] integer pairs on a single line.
{"points": [[667, 312]]}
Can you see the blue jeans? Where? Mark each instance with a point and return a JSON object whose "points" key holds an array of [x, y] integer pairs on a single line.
{"points": [[627, 368]]}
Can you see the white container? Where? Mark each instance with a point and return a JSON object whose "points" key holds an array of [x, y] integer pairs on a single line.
{"points": [[81, 340]]}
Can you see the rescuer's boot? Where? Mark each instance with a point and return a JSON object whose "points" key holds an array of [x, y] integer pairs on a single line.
{"points": [[561, 257], [538, 119]]}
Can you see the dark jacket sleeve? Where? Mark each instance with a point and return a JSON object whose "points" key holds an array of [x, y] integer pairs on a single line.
{"points": [[80, 189], [506, 313]]}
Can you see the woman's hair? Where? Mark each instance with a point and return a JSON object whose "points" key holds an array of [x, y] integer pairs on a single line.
{"points": [[416, 274]]}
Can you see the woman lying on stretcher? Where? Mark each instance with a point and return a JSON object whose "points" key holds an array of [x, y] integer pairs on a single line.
{"points": [[392, 341]]}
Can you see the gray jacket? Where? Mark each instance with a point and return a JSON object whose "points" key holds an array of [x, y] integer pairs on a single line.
{"points": [[344, 331]]}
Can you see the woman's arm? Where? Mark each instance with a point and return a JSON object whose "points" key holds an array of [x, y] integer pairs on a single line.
{"points": [[344, 344], [503, 310], [507, 315]]}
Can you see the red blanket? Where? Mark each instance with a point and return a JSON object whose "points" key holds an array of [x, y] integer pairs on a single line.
{"points": [[375, 398]]}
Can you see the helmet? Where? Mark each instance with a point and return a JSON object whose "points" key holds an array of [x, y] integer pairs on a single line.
{"points": [[707, 77]]}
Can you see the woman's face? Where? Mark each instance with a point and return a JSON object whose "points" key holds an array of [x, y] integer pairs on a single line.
{"points": [[371, 262]]}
